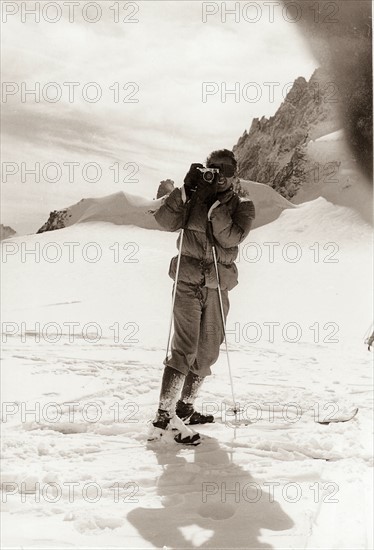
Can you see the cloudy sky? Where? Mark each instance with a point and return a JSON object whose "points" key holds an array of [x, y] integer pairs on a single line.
{"points": [[158, 63]]}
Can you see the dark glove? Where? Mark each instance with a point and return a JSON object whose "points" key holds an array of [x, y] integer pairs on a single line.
{"points": [[194, 183], [193, 176]]}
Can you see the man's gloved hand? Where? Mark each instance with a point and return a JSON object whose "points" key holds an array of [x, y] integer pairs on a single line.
{"points": [[194, 181], [193, 176]]}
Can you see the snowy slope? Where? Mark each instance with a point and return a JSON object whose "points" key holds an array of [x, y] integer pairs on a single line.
{"points": [[294, 483], [334, 175], [268, 203]]}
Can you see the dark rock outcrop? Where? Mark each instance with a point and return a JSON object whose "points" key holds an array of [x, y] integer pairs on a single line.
{"points": [[57, 220], [6, 232]]}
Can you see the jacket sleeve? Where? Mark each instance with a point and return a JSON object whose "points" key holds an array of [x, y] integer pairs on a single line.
{"points": [[171, 213], [230, 230]]}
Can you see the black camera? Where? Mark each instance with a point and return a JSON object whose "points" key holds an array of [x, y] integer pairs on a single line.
{"points": [[209, 174]]}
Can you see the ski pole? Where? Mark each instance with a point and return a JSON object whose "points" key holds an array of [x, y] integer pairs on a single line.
{"points": [[210, 232]]}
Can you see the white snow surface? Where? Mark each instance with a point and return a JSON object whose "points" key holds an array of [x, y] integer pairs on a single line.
{"points": [[338, 135], [78, 472]]}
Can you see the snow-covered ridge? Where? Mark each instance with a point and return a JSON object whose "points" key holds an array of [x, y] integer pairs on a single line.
{"points": [[118, 208], [338, 135], [126, 209]]}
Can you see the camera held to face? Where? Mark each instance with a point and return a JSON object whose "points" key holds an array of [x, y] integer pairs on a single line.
{"points": [[209, 174]]}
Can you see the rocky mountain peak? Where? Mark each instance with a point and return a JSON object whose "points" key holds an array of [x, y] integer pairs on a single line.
{"points": [[271, 151], [6, 232]]}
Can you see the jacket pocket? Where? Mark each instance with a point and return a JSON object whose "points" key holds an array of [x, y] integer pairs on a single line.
{"points": [[228, 276]]}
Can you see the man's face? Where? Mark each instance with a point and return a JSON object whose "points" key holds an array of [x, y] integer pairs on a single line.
{"points": [[227, 167]]}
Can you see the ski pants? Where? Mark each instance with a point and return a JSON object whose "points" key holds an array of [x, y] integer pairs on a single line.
{"points": [[198, 328]]}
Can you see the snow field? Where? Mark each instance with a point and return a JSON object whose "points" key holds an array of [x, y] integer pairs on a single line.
{"points": [[78, 468]]}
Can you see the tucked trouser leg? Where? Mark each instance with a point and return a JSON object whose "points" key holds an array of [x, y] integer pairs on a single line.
{"points": [[187, 318], [211, 331], [210, 338], [198, 334]]}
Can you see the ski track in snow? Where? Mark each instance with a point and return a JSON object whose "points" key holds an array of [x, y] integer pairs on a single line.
{"points": [[294, 483]]}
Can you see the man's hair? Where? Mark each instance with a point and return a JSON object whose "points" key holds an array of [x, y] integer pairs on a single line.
{"points": [[221, 153]]}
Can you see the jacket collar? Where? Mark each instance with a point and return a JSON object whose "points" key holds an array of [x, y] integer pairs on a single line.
{"points": [[225, 196], [222, 197]]}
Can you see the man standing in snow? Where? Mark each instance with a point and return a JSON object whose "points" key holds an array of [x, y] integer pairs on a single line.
{"points": [[208, 212]]}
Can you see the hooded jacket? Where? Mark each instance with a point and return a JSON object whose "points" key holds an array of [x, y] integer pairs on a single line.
{"points": [[231, 218]]}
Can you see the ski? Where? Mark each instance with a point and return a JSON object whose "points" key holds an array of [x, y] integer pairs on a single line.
{"points": [[238, 420], [176, 434], [340, 418]]}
